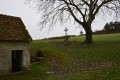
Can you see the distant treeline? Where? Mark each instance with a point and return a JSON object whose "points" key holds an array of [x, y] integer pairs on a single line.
{"points": [[59, 37], [112, 27]]}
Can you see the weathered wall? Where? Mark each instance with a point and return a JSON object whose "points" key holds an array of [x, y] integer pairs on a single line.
{"points": [[6, 55]]}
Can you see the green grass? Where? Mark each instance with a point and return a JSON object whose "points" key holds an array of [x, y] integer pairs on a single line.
{"points": [[99, 61]]}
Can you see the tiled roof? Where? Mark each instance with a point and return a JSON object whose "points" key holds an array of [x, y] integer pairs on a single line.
{"points": [[13, 29]]}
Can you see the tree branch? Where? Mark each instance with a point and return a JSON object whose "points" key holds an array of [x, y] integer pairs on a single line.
{"points": [[76, 19]]}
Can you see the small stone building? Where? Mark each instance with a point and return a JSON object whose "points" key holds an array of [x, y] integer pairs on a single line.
{"points": [[14, 45]]}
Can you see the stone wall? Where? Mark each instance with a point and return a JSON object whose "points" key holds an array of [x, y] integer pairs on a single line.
{"points": [[6, 55]]}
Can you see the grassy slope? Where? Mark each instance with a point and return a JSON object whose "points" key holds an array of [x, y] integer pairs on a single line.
{"points": [[99, 61]]}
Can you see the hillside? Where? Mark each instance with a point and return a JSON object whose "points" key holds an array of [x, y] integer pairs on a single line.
{"points": [[99, 61]]}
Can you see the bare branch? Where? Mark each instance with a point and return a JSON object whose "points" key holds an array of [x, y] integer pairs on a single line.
{"points": [[82, 11], [76, 19]]}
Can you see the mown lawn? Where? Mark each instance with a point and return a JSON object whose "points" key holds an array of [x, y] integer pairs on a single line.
{"points": [[74, 61]]}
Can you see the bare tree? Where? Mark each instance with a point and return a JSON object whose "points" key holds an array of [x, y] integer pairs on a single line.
{"points": [[82, 11]]}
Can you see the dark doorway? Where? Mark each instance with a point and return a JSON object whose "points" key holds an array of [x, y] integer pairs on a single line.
{"points": [[16, 60]]}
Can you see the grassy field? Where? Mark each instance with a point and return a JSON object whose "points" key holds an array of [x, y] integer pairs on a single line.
{"points": [[99, 61]]}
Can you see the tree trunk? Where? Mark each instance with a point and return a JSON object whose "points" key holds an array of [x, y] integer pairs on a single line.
{"points": [[88, 39]]}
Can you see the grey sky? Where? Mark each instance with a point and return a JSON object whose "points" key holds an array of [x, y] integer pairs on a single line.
{"points": [[31, 18]]}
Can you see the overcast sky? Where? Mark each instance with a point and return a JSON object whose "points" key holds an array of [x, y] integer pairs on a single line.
{"points": [[31, 18]]}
